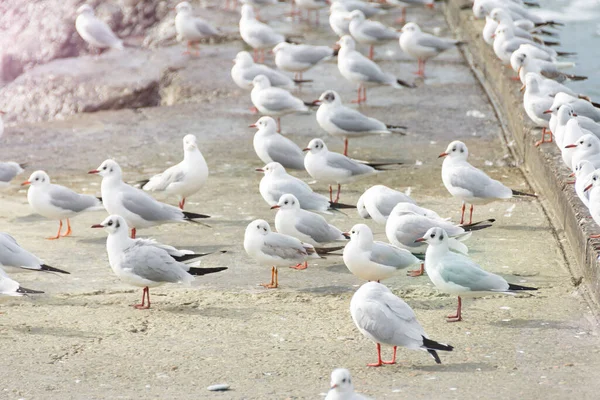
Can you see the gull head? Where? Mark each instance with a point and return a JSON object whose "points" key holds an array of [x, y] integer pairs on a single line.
{"points": [[559, 99], [595, 179], [411, 27], [272, 169], [341, 381], [189, 143], [38, 178], [85, 9], [499, 15], [434, 236], [183, 7], [258, 227], [287, 202], [113, 224], [330, 97], [361, 208], [244, 59], [588, 143], [261, 82], [583, 168], [316, 146], [281, 46], [356, 15], [107, 168], [456, 150], [565, 113], [265, 124], [346, 42], [361, 234], [247, 12], [336, 6]]}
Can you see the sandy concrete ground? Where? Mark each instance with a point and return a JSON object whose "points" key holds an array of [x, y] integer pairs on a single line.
{"points": [[83, 340]]}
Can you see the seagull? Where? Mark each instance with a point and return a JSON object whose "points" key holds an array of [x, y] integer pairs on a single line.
{"points": [[386, 319], [547, 87], [57, 202], [548, 69], [139, 209], [374, 261], [358, 69], [299, 58], [369, 32], [470, 184], [572, 133], [341, 386], [94, 31], [271, 146], [304, 225], [275, 249], [369, 9], [341, 121], [406, 3], [423, 46], [339, 20], [13, 255], [580, 106], [594, 195], [278, 182], [566, 113], [274, 101], [312, 5], [455, 273], [256, 34], [144, 263], [378, 201], [536, 103], [331, 167], [8, 171], [9, 287], [517, 11], [502, 16], [505, 43], [245, 70], [586, 148], [185, 178], [583, 177], [190, 28]]}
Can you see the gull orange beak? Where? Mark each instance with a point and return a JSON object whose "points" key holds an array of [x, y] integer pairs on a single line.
{"points": [[97, 226], [575, 115], [334, 386], [572, 174], [588, 187], [252, 126], [570, 146], [2, 112], [420, 240], [493, 35], [275, 207], [548, 112], [259, 170], [25, 183], [430, 6], [443, 155], [316, 103], [94, 171], [522, 88], [306, 149]]}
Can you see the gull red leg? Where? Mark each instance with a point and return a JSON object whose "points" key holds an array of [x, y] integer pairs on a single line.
{"points": [[358, 97], [471, 214], [133, 232], [274, 281], [544, 132], [58, 234], [458, 316], [462, 214], [182, 203], [402, 19], [300, 266], [345, 146], [330, 194], [255, 55], [145, 294], [417, 272], [379, 363], [371, 52], [69, 231], [278, 125], [393, 358], [337, 197], [364, 99]]}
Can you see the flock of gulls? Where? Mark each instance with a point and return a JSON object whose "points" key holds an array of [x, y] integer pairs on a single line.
{"points": [[418, 237]]}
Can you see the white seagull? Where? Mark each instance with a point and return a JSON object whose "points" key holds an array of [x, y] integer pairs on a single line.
{"points": [[8, 171], [190, 28], [245, 70], [299, 58], [9, 287], [373, 33], [341, 387], [94, 31], [256, 34], [339, 20], [271, 146], [13, 255], [378, 201], [386, 319]]}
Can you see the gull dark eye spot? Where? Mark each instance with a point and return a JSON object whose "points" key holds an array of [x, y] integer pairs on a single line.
{"points": [[265, 229], [454, 149], [441, 237], [104, 167], [344, 380], [462, 150], [110, 223], [117, 225], [432, 235], [285, 202], [37, 179], [258, 226]]}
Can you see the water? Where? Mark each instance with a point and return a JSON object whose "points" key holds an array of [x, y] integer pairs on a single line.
{"points": [[581, 34]]}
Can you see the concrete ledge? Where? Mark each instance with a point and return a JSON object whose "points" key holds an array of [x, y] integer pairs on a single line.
{"points": [[543, 165]]}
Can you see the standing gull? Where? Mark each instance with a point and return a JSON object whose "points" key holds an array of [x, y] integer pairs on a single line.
{"points": [[312, 5], [185, 178], [373, 33], [468, 183], [94, 31], [299, 58], [57, 202], [535, 103], [339, 20], [583, 177], [256, 34], [271, 146], [341, 121], [8, 171], [457, 274], [245, 70], [386, 319], [275, 249], [13, 255], [144, 263], [190, 28], [358, 69], [9, 287], [378, 201], [341, 386], [139, 209]]}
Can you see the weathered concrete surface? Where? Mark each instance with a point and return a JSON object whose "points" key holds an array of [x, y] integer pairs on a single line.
{"points": [[545, 164], [83, 340]]}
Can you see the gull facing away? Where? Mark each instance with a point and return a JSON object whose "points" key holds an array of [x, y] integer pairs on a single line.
{"points": [[57, 202], [331, 167], [13, 255], [274, 101], [583, 177], [94, 31], [341, 121], [190, 28], [245, 70], [341, 387], [470, 184], [358, 69], [275, 249], [593, 188], [139, 209], [8, 171], [278, 182], [386, 319], [144, 263], [423, 46], [374, 261], [299, 58], [373, 33], [378, 201], [256, 34], [339, 19], [183, 179], [9, 287], [271, 146], [455, 273]]}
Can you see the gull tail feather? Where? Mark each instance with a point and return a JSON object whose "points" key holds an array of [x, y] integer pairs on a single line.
{"points": [[205, 271], [327, 250], [576, 77], [519, 193], [340, 205], [479, 225], [52, 269], [400, 82], [23, 290], [514, 287]]}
